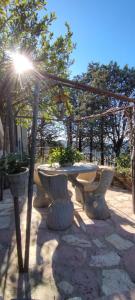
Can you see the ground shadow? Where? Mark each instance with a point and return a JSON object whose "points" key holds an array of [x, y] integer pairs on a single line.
{"points": [[7, 235], [69, 262]]}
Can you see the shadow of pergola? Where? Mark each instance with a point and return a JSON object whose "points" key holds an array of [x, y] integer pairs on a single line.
{"points": [[69, 263]]}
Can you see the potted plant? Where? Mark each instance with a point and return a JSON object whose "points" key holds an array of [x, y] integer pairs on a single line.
{"points": [[15, 167], [65, 156]]}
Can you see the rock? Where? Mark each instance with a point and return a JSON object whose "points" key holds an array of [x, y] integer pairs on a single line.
{"points": [[75, 241], [66, 287], [4, 222], [75, 298], [98, 243], [129, 261], [116, 281], [41, 254], [69, 256], [45, 291], [105, 260], [118, 242], [86, 282]]}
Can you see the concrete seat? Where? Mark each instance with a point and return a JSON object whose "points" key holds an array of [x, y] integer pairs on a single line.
{"points": [[86, 178], [95, 205], [60, 211]]}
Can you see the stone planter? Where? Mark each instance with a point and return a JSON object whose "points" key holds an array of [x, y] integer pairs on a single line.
{"points": [[19, 183]]}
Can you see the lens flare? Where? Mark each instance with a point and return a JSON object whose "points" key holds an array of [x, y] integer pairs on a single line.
{"points": [[21, 63]]}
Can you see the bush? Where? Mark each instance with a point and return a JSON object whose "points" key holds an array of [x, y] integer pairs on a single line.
{"points": [[14, 163], [123, 163], [65, 155]]}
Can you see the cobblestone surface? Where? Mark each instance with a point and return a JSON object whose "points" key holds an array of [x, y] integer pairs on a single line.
{"points": [[92, 260]]}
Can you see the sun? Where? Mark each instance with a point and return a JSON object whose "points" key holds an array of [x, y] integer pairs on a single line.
{"points": [[21, 63]]}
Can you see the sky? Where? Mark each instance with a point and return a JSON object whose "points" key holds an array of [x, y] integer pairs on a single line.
{"points": [[103, 30]]}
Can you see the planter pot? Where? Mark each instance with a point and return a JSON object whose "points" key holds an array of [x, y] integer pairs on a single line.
{"points": [[19, 183]]}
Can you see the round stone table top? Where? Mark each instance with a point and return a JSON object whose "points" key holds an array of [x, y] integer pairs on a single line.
{"points": [[77, 168]]}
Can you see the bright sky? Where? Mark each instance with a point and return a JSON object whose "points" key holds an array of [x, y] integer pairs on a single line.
{"points": [[104, 30]]}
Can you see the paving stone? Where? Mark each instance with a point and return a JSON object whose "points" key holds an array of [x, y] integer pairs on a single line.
{"points": [[75, 298], [75, 241], [116, 281], [66, 255], [4, 222], [48, 250], [86, 282], [5, 236], [99, 228], [45, 291], [39, 255], [105, 260], [130, 295], [66, 287], [98, 243], [47, 273], [118, 242], [129, 262], [127, 231], [45, 235]]}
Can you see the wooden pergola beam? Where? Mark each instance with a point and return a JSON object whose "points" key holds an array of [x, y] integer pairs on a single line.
{"points": [[109, 111], [84, 87]]}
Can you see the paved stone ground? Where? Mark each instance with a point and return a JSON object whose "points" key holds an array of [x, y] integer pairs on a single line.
{"points": [[92, 260]]}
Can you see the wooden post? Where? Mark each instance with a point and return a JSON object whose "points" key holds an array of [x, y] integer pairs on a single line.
{"points": [[133, 159], [31, 173]]}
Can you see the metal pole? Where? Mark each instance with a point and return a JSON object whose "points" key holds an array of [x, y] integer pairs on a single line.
{"points": [[31, 173], [133, 160], [18, 234]]}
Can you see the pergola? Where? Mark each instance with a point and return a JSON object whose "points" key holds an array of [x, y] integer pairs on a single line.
{"points": [[54, 80]]}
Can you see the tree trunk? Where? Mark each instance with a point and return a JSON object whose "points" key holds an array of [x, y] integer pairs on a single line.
{"points": [[69, 132], [91, 144], [80, 140], [102, 142]]}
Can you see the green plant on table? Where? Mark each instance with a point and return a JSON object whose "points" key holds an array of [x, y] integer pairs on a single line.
{"points": [[14, 163], [65, 155]]}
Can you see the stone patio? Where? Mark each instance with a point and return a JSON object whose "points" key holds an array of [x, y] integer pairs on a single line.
{"points": [[92, 260]]}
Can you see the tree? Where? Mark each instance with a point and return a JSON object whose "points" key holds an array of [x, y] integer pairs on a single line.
{"points": [[25, 25], [106, 134]]}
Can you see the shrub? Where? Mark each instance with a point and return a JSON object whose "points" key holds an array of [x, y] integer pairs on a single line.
{"points": [[65, 155], [123, 163], [14, 163]]}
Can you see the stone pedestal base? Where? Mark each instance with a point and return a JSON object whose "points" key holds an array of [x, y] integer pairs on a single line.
{"points": [[60, 215], [96, 207]]}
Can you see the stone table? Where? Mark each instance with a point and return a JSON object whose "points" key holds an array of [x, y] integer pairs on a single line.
{"points": [[54, 180]]}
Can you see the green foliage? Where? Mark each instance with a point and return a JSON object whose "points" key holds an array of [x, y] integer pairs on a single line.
{"points": [[65, 156], [14, 163], [124, 160], [123, 164], [26, 26]]}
